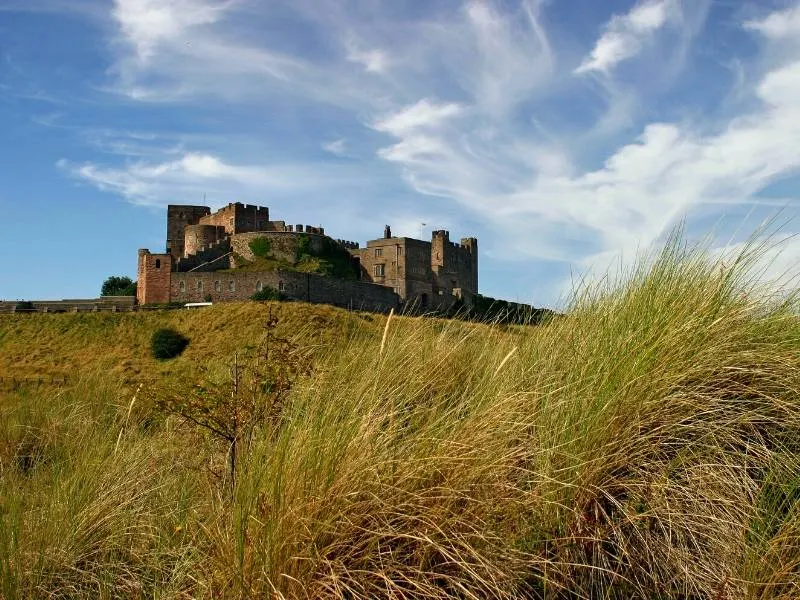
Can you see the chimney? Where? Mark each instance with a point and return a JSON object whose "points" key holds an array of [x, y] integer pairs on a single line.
{"points": [[387, 232]]}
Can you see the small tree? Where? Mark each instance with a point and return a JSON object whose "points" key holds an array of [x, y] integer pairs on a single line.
{"points": [[267, 293], [250, 397], [118, 286]]}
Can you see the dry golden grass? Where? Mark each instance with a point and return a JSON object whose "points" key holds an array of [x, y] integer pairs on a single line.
{"points": [[645, 446]]}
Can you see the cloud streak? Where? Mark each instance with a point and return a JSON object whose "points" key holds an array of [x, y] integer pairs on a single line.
{"points": [[626, 35]]}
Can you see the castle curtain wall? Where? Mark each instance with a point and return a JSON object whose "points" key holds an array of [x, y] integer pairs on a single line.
{"points": [[306, 287]]}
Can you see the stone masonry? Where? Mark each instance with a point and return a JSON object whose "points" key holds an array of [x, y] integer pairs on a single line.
{"points": [[200, 262]]}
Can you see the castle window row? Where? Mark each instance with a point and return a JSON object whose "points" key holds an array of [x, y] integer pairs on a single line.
{"points": [[282, 287]]}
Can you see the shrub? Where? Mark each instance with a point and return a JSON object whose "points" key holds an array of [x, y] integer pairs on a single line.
{"points": [[24, 306], [208, 298], [118, 286], [260, 247], [303, 247], [267, 293], [167, 343]]}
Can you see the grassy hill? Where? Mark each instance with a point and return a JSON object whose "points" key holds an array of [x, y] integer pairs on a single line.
{"points": [[59, 345], [645, 446]]}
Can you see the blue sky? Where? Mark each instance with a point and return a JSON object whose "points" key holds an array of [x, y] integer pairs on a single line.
{"points": [[566, 135]]}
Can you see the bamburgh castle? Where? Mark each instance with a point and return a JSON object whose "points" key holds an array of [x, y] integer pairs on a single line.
{"points": [[238, 251]]}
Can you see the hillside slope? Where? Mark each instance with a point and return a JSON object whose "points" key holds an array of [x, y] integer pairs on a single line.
{"points": [[59, 345]]}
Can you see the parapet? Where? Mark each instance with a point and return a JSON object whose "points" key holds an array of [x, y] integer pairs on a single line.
{"points": [[469, 243], [348, 244]]}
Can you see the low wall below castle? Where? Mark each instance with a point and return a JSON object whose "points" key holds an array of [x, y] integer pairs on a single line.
{"points": [[307, 287], [104, 303]]}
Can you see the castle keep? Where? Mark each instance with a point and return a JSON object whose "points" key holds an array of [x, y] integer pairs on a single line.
{"points": [[238, 251]]}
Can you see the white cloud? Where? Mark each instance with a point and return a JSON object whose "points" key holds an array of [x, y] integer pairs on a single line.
{"points": [[374, 61], [424, 114], [625, 35], [778, 25], [148, 23], [195, 174], [336, 147], [640, 191]]}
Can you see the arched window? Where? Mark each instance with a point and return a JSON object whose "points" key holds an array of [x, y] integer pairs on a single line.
{"points": [[183, 286], [259, 286], [281, 286], [158, 263], [217, 286], [231, 286]]}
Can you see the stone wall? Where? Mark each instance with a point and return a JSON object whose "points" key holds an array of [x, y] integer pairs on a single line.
{"points": [[307, 287], [104, 303], [208, 256], [283, 244], [201, 236], [239, 218]]}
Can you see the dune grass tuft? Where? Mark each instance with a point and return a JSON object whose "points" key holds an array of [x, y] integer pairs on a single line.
{"points": [[646, 445]]}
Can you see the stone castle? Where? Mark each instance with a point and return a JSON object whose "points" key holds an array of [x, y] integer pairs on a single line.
{"points": [[211, 256]]}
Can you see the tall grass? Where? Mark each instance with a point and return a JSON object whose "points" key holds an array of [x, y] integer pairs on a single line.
{"points": [[647, 445]]}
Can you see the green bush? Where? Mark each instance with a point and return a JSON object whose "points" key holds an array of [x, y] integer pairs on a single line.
{"points": [[24, 306], [267, 293], [167, 343], [260, 247], [118, 286]]}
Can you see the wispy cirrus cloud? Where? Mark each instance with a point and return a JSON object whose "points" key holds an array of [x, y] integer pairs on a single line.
{"points": [[779, 25], [625, 35]]}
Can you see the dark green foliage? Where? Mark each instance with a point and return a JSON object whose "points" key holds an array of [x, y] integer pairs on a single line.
{"points": [[267, 293], [207, 298], [260, 247], [303, 247], [118, 286], [167, 343], [24, 306], [332, 259]]}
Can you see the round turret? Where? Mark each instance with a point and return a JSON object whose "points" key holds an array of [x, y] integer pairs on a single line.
{"points": [[201, 236]]}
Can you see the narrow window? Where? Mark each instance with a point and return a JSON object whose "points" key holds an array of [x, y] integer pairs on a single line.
{"points": [[231, 286], [379, 270], [281, 287], [158, 263], [183, 287], [199, 286], [378, 252], [217, 286], [259, 286], [399, 251]]}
